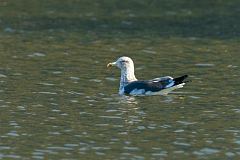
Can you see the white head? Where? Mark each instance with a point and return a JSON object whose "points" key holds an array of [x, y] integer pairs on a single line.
{"points": [[127, 71], [124, 63]]}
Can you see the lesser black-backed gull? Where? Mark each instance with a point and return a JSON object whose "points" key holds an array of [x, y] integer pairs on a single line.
{"points": [[131, 86]]}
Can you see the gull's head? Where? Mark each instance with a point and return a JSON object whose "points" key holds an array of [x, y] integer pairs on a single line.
{"points": [[123, 63]]}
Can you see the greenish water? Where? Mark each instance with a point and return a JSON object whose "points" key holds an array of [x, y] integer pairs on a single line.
{"points": [[59, 101]]}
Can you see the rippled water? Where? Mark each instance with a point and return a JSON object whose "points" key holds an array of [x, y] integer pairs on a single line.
{"points": [[59, 101]]}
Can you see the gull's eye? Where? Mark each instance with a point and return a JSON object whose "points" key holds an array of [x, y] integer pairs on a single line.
{"points": [[124, 61]]}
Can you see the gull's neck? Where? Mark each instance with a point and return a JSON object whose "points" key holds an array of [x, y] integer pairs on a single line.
{"points": [[127, 76]]}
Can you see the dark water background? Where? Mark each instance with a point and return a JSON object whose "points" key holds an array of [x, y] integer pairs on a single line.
{"points": [[58, 100]]}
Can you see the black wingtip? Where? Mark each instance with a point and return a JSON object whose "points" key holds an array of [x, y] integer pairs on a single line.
{"points": [[180, 80]]}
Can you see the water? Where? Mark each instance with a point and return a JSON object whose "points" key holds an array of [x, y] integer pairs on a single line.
{"points": [[59, 101]]}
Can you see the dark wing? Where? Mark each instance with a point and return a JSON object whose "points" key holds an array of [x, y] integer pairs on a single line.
{"points": [[154, 85]]}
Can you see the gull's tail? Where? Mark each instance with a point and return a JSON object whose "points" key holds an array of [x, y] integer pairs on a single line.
{"points": [[180, 80]]}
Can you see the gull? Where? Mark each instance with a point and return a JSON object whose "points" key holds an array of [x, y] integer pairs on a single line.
{"points": [[129, 85]]}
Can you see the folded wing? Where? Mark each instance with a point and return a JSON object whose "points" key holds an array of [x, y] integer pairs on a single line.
{"points": [[153, 85]]}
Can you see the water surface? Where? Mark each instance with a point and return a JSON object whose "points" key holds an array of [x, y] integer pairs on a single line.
{"points": [[59, 101]]}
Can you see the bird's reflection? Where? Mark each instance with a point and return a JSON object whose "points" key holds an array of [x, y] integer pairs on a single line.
{"points": [[131, 100]]}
